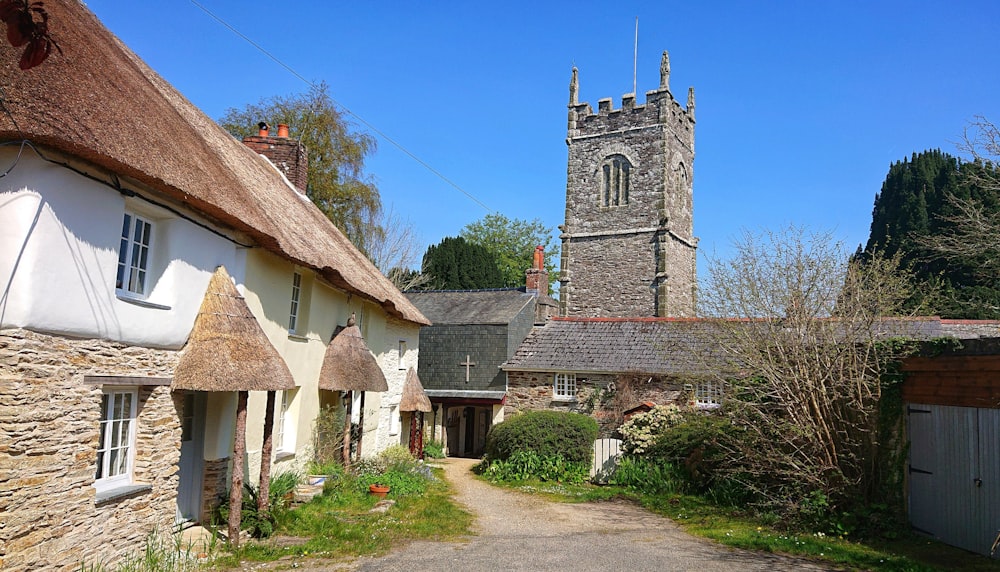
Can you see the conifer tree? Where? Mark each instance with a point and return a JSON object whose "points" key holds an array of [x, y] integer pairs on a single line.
{"points": [[456, 264]]}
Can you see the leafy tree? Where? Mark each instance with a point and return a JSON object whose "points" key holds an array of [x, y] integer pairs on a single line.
{"points": [[455, 264], [801, 325], [512, 242], [922, 200], [337, 182]]}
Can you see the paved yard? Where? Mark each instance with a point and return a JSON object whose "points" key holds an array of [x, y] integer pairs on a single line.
{"points": [[521, 532]]}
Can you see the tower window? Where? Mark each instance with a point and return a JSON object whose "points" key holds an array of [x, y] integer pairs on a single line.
{"points": [[615, 186]]}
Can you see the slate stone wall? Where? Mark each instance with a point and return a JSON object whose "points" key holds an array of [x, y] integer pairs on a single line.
{"points": [[443, 348], [530, 391], [49, 423], [635, 259]]}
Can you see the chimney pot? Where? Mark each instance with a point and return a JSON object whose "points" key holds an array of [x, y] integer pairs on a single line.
{"points": [[263, 127], [282, 130]]}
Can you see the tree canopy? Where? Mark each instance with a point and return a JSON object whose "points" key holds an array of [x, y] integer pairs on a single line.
{"points": [[337, 183], [512, 242], [919, 201], [456, 264]]}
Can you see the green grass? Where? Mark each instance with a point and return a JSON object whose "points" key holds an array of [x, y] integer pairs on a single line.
{"points": [[338, 525], [732, 527]]}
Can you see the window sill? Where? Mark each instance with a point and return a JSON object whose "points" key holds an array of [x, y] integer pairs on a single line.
{"points": [[121, 295], [564, 398], [284, 455], [119, 493], [297, 337]]}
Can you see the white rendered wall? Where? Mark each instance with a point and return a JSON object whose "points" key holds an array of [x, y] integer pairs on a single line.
{"points": [[59, 239], [395, 367]]}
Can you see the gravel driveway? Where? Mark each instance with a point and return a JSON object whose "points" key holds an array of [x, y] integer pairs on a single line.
{"points": [[515, 531]]}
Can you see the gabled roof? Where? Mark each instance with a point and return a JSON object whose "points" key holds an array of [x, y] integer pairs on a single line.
{"points": [[98, 101], [227, 350], [456, 307], [675, 346]]}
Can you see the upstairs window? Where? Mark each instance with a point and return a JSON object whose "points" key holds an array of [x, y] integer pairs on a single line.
{"points": [[293, 318], [708, 395], [615, 182], [133, 254], [564, 387]]}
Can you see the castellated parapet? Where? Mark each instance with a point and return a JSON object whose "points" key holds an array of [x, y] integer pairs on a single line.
{"points": [[628, 245]]}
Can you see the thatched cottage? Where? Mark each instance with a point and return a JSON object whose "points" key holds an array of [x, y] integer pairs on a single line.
{"points": [[155, 271]]}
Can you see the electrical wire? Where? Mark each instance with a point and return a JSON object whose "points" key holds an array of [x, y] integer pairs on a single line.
{"points": [[378, 131]]}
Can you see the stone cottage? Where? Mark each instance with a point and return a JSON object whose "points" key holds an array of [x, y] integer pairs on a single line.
{"points": [[120, 201]]}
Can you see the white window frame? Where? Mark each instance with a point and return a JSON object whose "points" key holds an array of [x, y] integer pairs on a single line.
{"points": [[293, 317], [708, 394], [395, 423], [284, 430], [564, 386], [116, 432], [134, 255]]}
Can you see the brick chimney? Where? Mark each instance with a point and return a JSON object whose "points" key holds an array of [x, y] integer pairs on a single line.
{"points": [[288, 155], [536, 279]]}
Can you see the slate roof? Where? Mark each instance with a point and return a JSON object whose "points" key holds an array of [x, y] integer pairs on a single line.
{"points": [[674, 346], [612, 345], [453, 307], [98, 101]]}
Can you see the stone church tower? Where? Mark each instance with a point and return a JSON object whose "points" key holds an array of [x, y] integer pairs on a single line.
{"points": [[628, 245]]}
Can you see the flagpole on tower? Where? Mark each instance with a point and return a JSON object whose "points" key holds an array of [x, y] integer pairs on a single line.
{"points": [[635, 54]]}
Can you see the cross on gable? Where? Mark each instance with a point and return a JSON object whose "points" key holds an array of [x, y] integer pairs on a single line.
{"points": [[468, 363]]}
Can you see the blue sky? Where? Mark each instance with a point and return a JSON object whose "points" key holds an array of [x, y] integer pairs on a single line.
{"points": [[801, 106]]}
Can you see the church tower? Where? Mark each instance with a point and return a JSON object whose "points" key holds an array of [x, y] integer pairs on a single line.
{"points": [[628, 245]]}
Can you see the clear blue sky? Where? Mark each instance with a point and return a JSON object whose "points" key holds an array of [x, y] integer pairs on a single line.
{"points": [[801, 106]]}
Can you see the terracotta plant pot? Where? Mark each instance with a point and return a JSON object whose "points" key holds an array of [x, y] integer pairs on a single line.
{"points": [[378, 490]]}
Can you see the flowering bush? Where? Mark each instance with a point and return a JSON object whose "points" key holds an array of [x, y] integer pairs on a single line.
{"points": [[642, 429]]}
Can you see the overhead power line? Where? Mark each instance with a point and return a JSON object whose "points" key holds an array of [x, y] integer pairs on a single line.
{"points": [[378, 131]]}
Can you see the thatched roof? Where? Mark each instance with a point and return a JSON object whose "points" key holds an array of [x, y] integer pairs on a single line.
{"points": [[414, 398], [349, 365], [98, 101], [227, 349]]}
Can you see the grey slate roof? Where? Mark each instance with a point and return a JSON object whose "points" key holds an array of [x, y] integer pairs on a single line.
{"points": [[444, 307], [612, 345], [674, 346]]}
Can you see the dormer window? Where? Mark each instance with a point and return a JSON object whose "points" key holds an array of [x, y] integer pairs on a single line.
{"points": [[133, 255], [615, 182]]}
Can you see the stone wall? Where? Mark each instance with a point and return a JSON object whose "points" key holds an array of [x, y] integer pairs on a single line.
{"points": [[603, 396], [635, 258], [49, 423]]}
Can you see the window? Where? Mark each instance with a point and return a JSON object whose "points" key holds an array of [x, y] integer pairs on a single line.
{"points": [[293, 318], [565, 386], [394, 421], [615, 187], [708, 395], [402, 353], [133, 254], [116, 445], [283, 436]]}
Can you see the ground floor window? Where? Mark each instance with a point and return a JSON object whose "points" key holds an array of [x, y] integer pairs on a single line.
{"points": [[116, 444], [565, 386], [708, 394]]}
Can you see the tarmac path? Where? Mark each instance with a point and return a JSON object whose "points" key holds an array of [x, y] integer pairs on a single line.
{"points": [[516, 531]]}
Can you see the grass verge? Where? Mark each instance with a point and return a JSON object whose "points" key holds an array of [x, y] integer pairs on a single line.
{"points": [[736, 528], [339, 525]]}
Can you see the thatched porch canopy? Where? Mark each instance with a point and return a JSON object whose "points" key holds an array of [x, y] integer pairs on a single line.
{"points": [[349, 365], [227, 349], [414, 398]]}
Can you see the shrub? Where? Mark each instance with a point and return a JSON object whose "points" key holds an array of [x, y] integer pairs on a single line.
{"points": [[434, 449], [648, 475], [525, 465], [698, 446], [261, 524], [328, 432], [395, 468], [642, 429], [546, 433]]}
